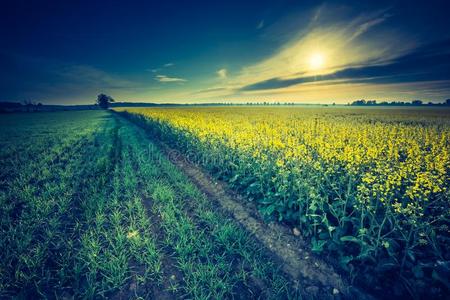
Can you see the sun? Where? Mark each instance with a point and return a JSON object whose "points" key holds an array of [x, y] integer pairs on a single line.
{"points": [[316, 61]]}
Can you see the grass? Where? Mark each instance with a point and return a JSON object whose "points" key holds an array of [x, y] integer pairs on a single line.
{"points": [[90, 208]]}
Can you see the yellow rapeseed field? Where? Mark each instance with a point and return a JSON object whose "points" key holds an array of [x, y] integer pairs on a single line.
{"points": [[370, 184]]}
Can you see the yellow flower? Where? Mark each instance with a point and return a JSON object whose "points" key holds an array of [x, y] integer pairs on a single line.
{"points": [[133, 234], [393, 157]]}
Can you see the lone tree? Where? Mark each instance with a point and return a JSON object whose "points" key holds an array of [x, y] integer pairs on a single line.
{"points": [[104, 100]]}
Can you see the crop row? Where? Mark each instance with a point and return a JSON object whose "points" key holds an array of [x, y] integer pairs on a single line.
{"points": [[90, 208]]}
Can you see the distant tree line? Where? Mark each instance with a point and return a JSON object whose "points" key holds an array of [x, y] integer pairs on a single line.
{"points": [[397, 103], [105, 101], [264, 103], [25, 106], [147, 104], [31, 106]]}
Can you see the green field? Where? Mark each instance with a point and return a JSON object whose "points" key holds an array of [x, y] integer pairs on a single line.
{"points": [[90, 208], [104, 204]]}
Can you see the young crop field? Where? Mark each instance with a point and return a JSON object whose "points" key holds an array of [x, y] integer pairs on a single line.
{"points": [[368, 188], [91, 208]]}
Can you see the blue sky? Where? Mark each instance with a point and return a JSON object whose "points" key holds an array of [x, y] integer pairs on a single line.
{"points": [[234, 51]]}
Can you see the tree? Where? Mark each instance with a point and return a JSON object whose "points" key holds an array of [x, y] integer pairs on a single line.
{"points": [[29, 105], [359, 102], [447, 102], [104, 100]]}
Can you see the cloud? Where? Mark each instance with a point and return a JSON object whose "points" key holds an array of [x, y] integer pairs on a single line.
{"points": [[427, 63], [164, 78], [343, 43], [212, 91], [260, 25], [342, 91], [364, 27], [90, 76], [222, 73], [156, 70], [366, 56], [51, 80], [362, 53]]}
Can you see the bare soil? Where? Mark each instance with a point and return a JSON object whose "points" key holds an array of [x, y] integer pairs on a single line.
{"points": [[169, 269]]}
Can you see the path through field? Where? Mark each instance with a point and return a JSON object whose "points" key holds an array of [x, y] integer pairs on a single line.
{"points": [[91, 207]]}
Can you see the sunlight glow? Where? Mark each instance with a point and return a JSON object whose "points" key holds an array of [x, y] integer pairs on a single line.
{"points": [[316, 61]]}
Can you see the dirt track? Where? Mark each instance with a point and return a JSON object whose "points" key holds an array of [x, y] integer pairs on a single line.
{"points": [[314, 276]]}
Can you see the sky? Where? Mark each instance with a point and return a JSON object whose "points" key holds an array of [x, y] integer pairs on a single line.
{"points": [[67, 52]]}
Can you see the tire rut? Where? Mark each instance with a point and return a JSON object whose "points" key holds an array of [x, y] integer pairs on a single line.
{"points": [[297, 261], [172, 276]]}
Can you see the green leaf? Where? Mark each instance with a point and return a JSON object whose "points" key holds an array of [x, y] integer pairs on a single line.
{"points": [[349, 238], [268, 210], [234, 178], [317, 245]]}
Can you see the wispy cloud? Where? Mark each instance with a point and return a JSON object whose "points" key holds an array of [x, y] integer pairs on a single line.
{"points": [[343, 44], [213, 92], [156, 70], [165, 78], [359, 53], [430, 62], [53, 81], [365, 26], [89, 75], [260, 25], [222, 73]]}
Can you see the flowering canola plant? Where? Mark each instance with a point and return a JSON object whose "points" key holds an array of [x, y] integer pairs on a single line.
{"points": [[369, 184]]}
